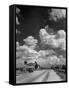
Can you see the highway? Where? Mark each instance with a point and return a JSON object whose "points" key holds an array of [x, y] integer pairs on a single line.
{"points": [[38, 76]]}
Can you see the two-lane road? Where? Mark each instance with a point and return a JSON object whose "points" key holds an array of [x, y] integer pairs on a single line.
{"points": [[38, 76]]}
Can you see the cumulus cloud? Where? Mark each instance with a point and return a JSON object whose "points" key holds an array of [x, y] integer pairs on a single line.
{"points": [[17, 43], [26, 53], [56, 14], [45, 36], [60, 41], [53, 59], [49, 30], [31, 42], [61, 34], [26, 48], [17, 32], [17, 46], [57, 40], [46, 52], [17, 21], [62, 60], [43, 57], [17, 10]]}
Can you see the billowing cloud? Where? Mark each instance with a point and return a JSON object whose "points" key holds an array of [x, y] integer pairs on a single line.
{"points": [[62, 60], [25, 53], [17, 46], [45, 36], [17, 21], [17, 43], [61, 34], [53, 59], [17, 10], [57, 40], [26, 48], [43, 57], [60, 41], [31, 42], [17, 32], [45, 53], [56, 14]]}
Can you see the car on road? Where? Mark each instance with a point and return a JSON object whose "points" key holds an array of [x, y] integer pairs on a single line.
{"points": [[30, 67]]}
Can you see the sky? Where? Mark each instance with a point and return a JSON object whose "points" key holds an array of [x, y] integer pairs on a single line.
{"points": [[30, 19], [40, 30]]}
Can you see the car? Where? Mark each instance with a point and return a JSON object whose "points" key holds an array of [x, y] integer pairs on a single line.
{"points": [[30, 67]]}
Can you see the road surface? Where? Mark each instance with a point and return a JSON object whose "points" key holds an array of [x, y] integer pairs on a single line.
{"points": [[38, 76]]}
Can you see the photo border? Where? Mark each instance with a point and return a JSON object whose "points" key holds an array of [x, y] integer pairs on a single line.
{"points": [[51, 82]]}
